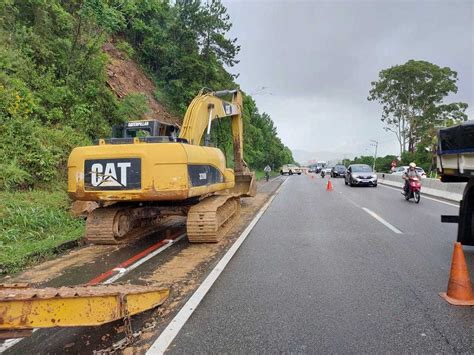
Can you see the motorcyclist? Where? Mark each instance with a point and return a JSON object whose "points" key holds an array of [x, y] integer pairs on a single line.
{"points": [[410, 174], [267, 171]]}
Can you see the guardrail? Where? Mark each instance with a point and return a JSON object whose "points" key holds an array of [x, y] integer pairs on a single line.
{"points": [[450, 191]]}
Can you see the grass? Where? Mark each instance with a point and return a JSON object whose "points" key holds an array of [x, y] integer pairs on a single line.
{"points": [[33, 224]]}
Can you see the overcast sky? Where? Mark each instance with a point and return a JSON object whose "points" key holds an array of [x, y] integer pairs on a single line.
{"points": [[317, 59]]}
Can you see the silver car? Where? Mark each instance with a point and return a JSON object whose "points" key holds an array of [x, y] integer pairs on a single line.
{"points": [[360, 174]]}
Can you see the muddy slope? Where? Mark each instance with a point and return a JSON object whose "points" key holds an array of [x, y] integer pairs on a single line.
{"points": [[126, 77]]}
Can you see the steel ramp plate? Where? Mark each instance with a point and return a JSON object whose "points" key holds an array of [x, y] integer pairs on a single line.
{"points": [[27, 308]]}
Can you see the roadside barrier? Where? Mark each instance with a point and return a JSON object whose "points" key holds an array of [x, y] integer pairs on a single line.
{"points": [[459, 286], [452, 191]]}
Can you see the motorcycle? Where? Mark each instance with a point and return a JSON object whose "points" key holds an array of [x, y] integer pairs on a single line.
{"points": [[267, 176], [414, 190], [323, 173]]}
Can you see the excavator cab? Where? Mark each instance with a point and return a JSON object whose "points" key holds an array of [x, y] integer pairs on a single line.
{"points": [[139, 129]]}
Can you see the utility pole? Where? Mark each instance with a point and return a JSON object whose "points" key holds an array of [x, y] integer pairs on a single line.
{"points": [[375, 144]]}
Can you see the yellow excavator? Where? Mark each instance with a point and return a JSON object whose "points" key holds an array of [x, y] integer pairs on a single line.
{"points": [[143, 178], [147, 172]]}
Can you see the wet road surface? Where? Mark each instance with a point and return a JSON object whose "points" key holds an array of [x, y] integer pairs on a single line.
{"points": [[348, 271]]}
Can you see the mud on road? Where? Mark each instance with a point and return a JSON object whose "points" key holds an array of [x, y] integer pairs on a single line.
{"points": [[182, 268]]}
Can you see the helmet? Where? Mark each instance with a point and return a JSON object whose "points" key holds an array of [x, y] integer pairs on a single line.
{"points": [[412, 165]]}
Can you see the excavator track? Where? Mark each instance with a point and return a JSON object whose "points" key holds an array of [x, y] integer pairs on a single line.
{"points": [[115, 225], [211, 219]]}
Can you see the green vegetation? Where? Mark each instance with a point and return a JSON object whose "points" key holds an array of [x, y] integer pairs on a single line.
{"points": [[53, 97], [184, 48], [412, 97], [382, 164], [53, 94], [32, 225], [422, 158]]}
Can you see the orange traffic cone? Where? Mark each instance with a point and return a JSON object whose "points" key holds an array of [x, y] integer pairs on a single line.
{"points": [[459, 286], [329, 185]]}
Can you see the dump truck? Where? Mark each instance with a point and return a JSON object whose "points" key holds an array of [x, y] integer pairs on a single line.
{"points": [[146, 172], [455, 162]]}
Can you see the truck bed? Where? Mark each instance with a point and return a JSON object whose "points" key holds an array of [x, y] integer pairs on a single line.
{"points": [[456, 152]]}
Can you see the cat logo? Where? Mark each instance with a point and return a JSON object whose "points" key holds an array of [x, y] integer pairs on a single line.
{"points": [[112, 174]]}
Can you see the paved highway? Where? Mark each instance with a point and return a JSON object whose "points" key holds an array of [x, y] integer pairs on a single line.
{"points": [[348, 271]]}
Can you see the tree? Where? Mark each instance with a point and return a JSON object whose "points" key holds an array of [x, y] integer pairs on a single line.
{"points": [[412, 97], [215, 46]]}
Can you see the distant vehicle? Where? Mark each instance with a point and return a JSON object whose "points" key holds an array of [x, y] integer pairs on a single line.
{"points": [[313, 169], [403, 169], [338, 170], [320, 165], [325, 171], [290, 169], [360, 174]]}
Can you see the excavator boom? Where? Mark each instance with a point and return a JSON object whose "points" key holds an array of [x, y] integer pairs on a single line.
{"points": [[210, 106]]}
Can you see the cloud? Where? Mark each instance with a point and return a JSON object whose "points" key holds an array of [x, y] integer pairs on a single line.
{"points": [[317, 59]]}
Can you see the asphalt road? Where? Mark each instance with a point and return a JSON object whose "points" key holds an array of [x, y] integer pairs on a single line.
{"points": [[320, 274]]}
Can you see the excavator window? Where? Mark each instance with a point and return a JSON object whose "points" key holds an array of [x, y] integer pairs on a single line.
{"points": [[146, 131], [140, 133]]}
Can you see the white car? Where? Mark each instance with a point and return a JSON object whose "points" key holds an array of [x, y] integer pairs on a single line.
{"points": [[403, 169], [290, 169]]}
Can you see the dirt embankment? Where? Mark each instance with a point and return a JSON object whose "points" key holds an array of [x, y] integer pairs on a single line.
{"points": [[126, 77]]}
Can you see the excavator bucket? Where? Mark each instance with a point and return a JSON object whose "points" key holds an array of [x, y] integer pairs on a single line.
{"points": [[245, 185], [22, 307]]}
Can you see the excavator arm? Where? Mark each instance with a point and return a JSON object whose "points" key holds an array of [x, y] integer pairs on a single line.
{"points": [[207, 107]]}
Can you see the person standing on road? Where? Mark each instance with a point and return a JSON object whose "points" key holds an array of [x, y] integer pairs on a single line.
{"points": [[410, 174], [267, 171]]}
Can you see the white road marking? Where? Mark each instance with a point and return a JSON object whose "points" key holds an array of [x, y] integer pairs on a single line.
{"points": [[275, 178], [423, 196], [7, 344], [171, 331], [383, 221]]}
